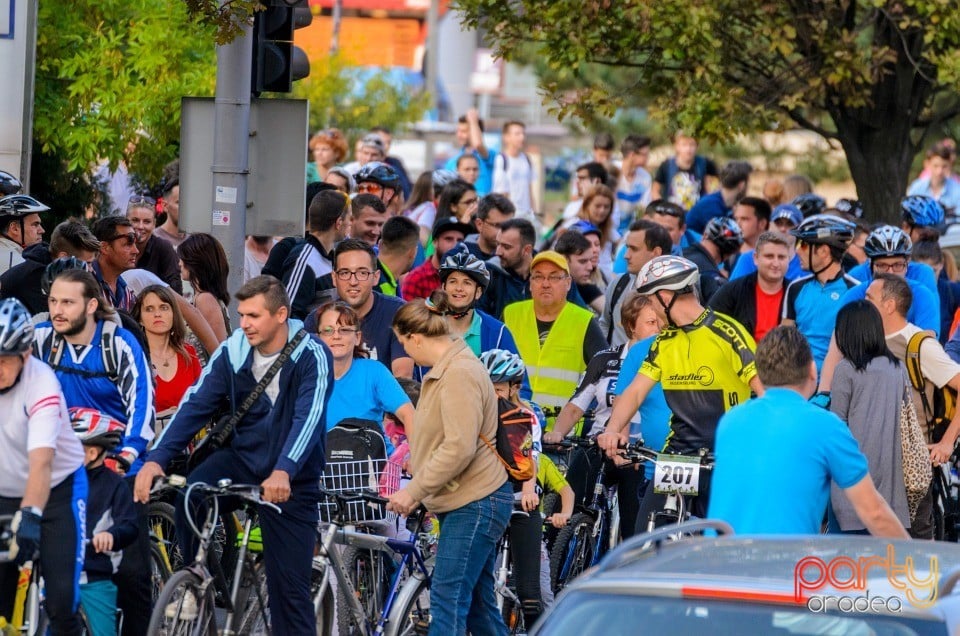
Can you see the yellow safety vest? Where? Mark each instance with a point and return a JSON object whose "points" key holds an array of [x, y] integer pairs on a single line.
{"points": [[555, 368]]}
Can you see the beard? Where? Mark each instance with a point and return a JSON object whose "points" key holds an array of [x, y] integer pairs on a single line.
{"points": [[73, 327]]}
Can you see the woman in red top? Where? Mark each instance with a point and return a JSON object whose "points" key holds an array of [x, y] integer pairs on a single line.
{"points": [[175, 363]]}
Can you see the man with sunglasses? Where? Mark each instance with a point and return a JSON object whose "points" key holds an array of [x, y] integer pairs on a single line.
{"points": [[672, 218], [380, 180], [118, 253]]}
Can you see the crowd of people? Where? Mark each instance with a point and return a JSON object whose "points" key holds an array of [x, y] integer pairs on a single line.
{"points": [[672, 308]]}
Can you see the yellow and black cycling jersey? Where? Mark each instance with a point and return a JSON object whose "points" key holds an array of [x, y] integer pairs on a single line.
{"points": [[705, 369]]}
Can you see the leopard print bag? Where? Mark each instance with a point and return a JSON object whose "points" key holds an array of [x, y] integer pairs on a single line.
{"points": [[917, 471]]}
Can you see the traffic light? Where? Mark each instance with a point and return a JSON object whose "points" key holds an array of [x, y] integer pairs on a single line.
{"points": [[277, 63]]}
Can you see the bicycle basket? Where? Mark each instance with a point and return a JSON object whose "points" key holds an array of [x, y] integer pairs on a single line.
{"points": [[353, 476]]}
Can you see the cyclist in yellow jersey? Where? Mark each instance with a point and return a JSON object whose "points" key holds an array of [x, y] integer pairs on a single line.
{"points": [[704, 361]]}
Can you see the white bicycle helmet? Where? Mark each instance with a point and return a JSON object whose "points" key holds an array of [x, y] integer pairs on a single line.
{"points": [[16, 328], [668, 273], [503, 365]]}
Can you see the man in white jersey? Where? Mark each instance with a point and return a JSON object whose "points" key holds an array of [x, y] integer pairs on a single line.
{"points": [[42, 479]]}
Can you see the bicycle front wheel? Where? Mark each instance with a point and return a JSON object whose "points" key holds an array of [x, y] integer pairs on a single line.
{"points": [[367, 571], [572, 552], [160, 516], [323, 601], [256, 613], [411, 616], [182, 608]]}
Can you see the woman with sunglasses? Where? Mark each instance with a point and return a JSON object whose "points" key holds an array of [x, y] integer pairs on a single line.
{"points": [[362, 388], [203, 264], [155, 254]]}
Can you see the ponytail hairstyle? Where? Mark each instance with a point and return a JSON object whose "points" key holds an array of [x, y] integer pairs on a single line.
{"points": [[426, 317]]}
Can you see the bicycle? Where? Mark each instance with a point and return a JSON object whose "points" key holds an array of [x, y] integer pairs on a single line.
{"points": [[188, 601], [590, 532], [946, 500], [509, 604], [677, 477], [405, 608], [29, 616]]}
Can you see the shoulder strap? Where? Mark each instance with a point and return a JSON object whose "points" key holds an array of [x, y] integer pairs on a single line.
{"points": [[914, 370], [618, 290], [263, 383], [108, 351]]}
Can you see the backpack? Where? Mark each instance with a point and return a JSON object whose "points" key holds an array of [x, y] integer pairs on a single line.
{"points": [[108, 354], [356, 454], [938, 415], [618, 290], [514, 444]]}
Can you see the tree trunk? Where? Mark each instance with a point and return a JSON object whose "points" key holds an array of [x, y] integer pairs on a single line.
{"points": [[879, 161]]}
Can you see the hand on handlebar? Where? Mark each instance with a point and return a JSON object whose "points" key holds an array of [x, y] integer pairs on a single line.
{"points": [[611, 443], [558, 520], [144, 482], [402, 502], [276, 488], [552, 437]]}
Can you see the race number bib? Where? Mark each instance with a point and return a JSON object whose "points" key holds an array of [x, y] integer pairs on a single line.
{"points": [[677, 474]]}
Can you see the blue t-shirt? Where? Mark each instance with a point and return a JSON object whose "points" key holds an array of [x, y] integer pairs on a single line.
{"points": [[366, 391], [745, 265], [919, 272], [949, 196], [813, 306], [775, 459], [707, 208], [654, 412], [484, 184], [924, 310]]}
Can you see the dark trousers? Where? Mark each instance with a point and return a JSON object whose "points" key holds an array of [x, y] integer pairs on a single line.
{"points": [[921, 526], [525, 535], [652, 502], [62, 531], [288, 540], [586, 463], [134, 594]]}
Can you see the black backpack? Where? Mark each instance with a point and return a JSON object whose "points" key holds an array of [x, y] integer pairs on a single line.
{"points": [[356, 455]]}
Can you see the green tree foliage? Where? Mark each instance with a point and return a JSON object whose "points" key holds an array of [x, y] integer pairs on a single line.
{"points": [[876, 76], [110, 75], [355, 98]]}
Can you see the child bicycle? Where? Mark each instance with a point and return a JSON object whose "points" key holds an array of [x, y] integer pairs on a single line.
{"points": [[404, 608], [188, 601]]}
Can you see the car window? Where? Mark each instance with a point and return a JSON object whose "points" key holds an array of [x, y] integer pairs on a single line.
{"points": [[582, 613]]}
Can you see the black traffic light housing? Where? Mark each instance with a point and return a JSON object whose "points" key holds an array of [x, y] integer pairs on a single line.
{"points": [[277, 63]]}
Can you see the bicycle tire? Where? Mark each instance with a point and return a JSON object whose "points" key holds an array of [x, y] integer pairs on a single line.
{"points": [[413, 619], [172, 595], [163, 533], [572, 552], [159, 572], [256, 614], [946, 511], [324, 603], [366, 570]]}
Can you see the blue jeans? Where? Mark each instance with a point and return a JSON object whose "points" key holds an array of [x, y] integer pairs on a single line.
{"points": [[462, 597]]}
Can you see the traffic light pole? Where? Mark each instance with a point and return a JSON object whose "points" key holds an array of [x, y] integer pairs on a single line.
{"points": [[230, 151]]}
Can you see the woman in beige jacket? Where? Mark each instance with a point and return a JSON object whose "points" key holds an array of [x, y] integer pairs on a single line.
{"points": [[455, 475]]}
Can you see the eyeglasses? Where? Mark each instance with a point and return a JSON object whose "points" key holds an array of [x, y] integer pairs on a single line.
{"points": [[492, 224], [130, 238], [553, 278], [339, 331], [361, 274], [468, 202], [369, 188], [667, 209], [885, 268]]}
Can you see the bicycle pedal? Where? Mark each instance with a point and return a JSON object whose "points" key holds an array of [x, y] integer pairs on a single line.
{"points": [[421, 625]]}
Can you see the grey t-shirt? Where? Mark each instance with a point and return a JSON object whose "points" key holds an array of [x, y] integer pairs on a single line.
{"points": [[869, 402]]}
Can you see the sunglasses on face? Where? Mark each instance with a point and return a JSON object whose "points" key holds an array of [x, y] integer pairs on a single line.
{"points": [[129, 238]]}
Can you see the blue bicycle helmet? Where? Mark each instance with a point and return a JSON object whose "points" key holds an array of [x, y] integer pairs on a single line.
{"points": [[380, 173], [503, 365], [56, 268], [810, 204], [459, 259], [16, 328], [825, 229], [922, 211], [887, 240]]}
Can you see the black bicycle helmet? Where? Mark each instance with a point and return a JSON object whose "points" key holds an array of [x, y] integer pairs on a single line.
{"points": [[9, 184], [380, 173], [16, 328], [810, 204], [922, 211], [503, 365], [725, 234], [459, 259], [825, 229], [887, 240], [850, 207], [56, 268]]}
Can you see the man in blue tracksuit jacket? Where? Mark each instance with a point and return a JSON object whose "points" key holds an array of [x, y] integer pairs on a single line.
{"points": [[279, 443]]}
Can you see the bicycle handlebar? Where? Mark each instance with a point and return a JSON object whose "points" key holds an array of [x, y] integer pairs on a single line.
{"points": [[640, 453], [251, 493], [572, 442]]}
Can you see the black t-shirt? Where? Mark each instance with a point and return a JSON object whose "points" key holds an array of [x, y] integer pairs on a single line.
{"points": [[589, 292], [593, 340], [685, 186]]}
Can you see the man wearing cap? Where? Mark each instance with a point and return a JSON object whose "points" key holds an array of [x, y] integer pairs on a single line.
{"points": [[555, 337], [371, 148], [423, 280], [783, 219]]}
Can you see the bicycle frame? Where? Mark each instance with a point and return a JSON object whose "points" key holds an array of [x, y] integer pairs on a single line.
{"points": [[411, 560]]}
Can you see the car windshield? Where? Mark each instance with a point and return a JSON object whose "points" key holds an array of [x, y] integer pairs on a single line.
{"points": [[615, 614]]}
